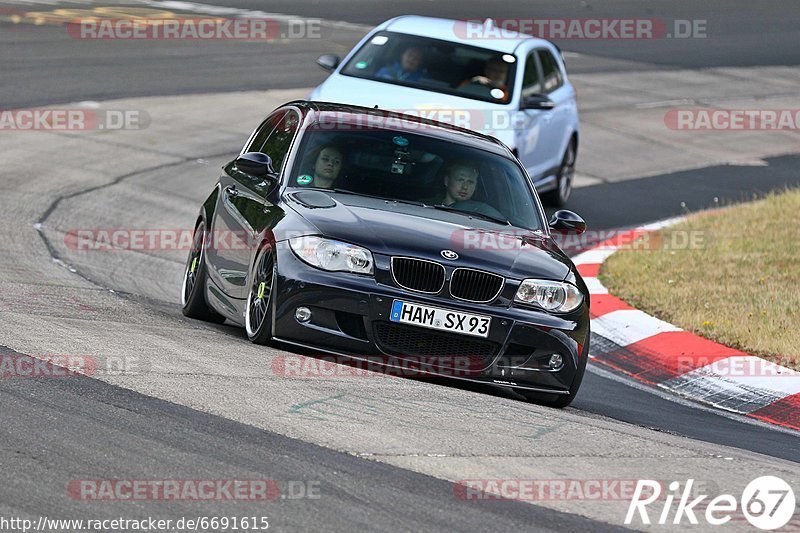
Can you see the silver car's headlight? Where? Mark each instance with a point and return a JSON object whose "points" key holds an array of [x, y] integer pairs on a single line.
{"points": [[335, 256], [555, 296]]}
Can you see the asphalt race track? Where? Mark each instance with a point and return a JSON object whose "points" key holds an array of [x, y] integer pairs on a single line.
{"points": [[371, 452]]}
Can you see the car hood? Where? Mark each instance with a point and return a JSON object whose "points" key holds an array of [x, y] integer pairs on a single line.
{"points": [[397, 229], [484, 117]]}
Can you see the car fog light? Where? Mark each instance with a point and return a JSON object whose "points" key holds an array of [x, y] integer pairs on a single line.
{"points": [[302, 314], [556, 361]]}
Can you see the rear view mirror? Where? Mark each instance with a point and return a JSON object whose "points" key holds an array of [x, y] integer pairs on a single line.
{"points": [[564, 221], [328, 62], [537, 101], [256, 164]]}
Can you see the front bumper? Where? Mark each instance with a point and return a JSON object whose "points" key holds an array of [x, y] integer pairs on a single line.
{"points": [[350, 316]]}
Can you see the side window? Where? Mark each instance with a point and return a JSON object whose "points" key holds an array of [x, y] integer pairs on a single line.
{"points": [[260, 136], [531, 84], [551, 71], [277, 144], [274, 137]]}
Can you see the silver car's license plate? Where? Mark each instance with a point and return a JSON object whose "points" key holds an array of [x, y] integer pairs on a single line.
{"points": [[442, 319]]}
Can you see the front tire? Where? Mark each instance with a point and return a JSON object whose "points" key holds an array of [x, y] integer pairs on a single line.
{"points": [[258, 312], [564, 179], [193, 297]]}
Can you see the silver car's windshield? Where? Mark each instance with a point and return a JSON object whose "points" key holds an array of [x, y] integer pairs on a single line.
{"points": [[416, 168], [434, 65]]}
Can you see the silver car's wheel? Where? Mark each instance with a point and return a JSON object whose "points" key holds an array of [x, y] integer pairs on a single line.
{"points": [[564, 179]]}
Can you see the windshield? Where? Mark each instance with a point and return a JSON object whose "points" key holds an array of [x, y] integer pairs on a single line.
{"points": [[416, 168], [434, 65]]}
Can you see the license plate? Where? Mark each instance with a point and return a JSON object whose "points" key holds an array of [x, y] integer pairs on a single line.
{"points": [[442, 319]]}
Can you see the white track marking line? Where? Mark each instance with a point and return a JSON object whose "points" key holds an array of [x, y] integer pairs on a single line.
{"points": [[596, 255], [594, 286], [628, 326]]}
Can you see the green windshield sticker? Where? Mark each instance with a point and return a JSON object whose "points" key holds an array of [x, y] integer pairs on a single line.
{"points": [[362, 64], [305, 179], [400, 141]]}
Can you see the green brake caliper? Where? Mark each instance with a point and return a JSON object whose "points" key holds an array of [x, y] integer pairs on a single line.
{"points": [[261, 287], [194, 265]]}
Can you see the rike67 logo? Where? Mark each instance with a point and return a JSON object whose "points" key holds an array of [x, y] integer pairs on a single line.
{"points": [[767, 502]]}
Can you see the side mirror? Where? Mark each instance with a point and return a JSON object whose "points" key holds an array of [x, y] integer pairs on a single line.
{"points": [[564, 221], [328, 62], [537, 101], [256, 164]]}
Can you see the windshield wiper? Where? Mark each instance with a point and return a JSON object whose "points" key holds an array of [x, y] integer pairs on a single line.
{"points": [[411, 202], [491, 218]]}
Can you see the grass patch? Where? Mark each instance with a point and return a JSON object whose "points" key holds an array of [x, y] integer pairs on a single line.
{"points": [[732, 276]]}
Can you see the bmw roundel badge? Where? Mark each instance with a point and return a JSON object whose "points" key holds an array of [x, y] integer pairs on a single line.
{"points": [[449, 254]]}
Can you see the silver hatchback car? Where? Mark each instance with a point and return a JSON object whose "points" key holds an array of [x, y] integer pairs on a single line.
{"points": [[492, 80]]}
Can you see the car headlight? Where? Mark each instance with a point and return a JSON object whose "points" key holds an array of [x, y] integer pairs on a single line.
{"points": [[555, 296], [335, 256]]}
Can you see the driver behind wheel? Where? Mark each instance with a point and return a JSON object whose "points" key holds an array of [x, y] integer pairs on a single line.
{"points": [[408, 68], [460, 181], [495, 75]]}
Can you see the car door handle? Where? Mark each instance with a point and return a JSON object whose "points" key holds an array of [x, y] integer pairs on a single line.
{"points": [[231, 191]]}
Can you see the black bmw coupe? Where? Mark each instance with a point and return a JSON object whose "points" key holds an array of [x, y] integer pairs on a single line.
{"points": [[390, 238]]}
